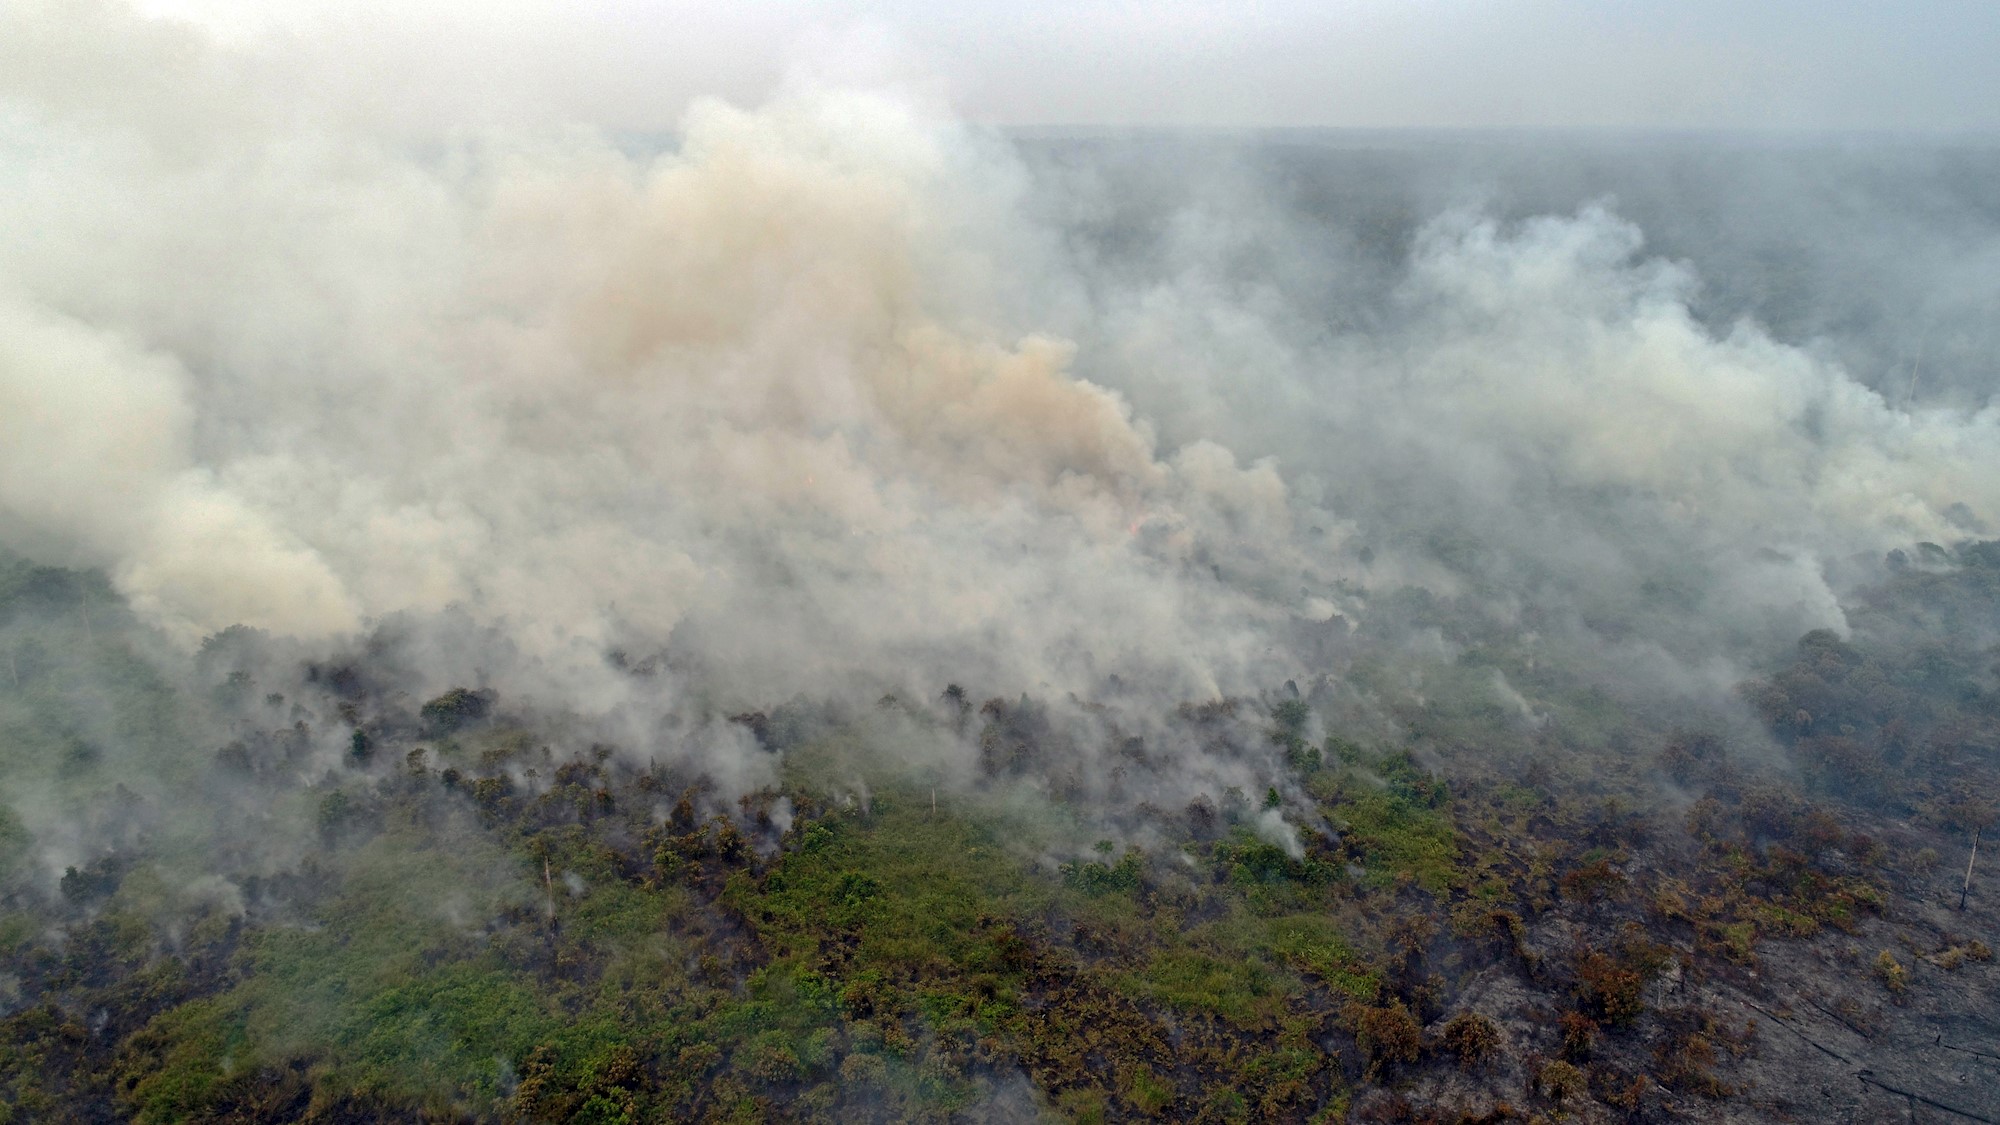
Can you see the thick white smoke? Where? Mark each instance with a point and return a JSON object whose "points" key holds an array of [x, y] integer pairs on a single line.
{"points": [[783, 400], [1535, 406], [757, 399]]}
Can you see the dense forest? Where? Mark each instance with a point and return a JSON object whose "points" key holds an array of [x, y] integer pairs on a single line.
{"points": [[1596, 912]]}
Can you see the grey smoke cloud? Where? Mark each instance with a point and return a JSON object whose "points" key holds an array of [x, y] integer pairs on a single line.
{"points": [[1541, 403], [820, 400]]}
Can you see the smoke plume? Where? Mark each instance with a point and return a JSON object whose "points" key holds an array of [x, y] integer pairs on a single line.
{"points": [[840, 395]]}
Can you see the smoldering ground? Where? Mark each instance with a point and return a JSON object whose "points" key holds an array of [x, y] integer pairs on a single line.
{"points": [[840, 397]]}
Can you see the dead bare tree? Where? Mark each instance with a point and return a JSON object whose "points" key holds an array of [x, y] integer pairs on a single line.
{"points": [[1967, 888]]}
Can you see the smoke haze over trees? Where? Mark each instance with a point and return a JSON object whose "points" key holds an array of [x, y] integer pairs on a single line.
{"points": [[1328, 538], [919, 397]]}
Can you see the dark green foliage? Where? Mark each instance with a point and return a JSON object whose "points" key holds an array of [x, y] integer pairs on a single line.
{"points": [[455, 710], [1246, 860], [92, 883], [1416, 786], [1096, 878], [1291, 716]]}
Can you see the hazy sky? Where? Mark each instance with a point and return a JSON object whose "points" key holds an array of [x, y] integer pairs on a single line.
{"points": [[1811, 64]]}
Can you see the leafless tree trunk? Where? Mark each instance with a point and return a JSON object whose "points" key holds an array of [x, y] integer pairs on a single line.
{"points": [[1967, 888]]}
